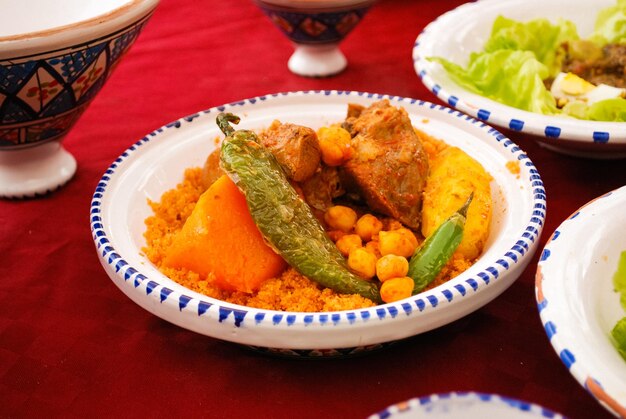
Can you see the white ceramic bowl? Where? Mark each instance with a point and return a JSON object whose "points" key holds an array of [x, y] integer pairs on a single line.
{"points": [[54, 58], [465, 405], [576, 300], [458, 33], [156, 164]]}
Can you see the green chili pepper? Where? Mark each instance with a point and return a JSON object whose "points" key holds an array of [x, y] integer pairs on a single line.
{"points": [[283, 218], [435, 252]]}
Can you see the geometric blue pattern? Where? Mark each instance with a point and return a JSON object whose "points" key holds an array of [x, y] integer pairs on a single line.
{"points": [[463, 404], [44, 96]]}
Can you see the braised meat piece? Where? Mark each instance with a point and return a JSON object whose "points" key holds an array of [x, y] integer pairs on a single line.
{"points": [[389, 166], [321, 188], [606, 65], [295, 147]]}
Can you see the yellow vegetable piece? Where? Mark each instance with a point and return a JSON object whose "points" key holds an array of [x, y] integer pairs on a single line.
{"points": [[453, 176]]}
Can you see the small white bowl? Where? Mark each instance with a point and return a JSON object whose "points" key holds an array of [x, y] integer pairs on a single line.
{"points": [[156, 164], [459, 32], [576, 300], [55, 56], [465, 405]]}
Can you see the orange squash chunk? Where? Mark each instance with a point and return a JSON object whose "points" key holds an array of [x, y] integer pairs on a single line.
{"points": [[220, 239]]}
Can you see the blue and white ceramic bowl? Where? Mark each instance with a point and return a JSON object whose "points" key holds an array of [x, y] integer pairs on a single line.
{"points": [[576, 298], [54, 58], [465, 406], [156, 164], [456, 34], [316, 28]]}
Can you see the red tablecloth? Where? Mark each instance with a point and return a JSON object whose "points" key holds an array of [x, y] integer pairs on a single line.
{"points": [[71, 344]]}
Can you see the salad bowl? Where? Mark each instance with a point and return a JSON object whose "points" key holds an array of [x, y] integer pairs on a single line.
{"points": [[155, 164], [577, 301], [455, 35]]}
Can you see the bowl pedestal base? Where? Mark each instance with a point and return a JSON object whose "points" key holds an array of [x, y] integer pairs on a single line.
{"points": [[317, 60], [33, 171]]}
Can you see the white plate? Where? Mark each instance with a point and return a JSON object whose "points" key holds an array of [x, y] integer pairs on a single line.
{"points": [[156, 163], [465, 406], [458, 33], [575, 296]]}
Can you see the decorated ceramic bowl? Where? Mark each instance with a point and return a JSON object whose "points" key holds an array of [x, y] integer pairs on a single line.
{"points": [[316, 27], [54, 58], [459, 32], [465, 405], [577, 300], [156, 164]]}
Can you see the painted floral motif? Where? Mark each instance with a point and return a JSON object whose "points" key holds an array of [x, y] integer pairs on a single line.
{"points": [[313, 27], [84, 82], [282, 23], [347, 23], [43, 91]]}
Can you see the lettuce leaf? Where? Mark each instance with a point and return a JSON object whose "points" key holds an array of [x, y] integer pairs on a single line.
{"points": [[610, 25], [619, 278], [619, 283], [613, 110], [619, 335], [514, 78], [538, 36], [519, 56]]}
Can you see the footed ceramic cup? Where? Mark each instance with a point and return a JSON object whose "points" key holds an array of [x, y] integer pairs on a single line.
{"points": [[316, 27], [54, 58]]}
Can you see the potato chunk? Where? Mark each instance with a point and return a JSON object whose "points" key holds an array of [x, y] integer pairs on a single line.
{"points": [[453, 176]]}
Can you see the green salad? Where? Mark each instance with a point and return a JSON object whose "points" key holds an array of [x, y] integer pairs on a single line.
{"points": [[619, 282], [545, 67]]}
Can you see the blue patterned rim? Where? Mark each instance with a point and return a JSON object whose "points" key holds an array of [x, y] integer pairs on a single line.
{"points": [[238, 316], [467, 401], [563, 348]]}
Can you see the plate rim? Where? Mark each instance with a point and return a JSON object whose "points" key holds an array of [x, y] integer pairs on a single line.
{"points": [[481, 398]]}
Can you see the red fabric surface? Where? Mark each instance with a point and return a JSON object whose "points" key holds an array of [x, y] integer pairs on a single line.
{"points": [[72, 345]]}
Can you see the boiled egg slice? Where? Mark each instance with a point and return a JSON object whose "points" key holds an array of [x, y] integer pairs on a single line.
{"points": [[569, 87]]}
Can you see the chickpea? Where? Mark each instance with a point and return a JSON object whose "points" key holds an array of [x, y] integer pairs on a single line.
{"points": [[396, 242], [347, 243], [335, 235], [391, 266], [334, 144], [410, 236], [362, 262], [332, 154], [341, 218], [395, 289], [368, 226], [373, 247]]}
